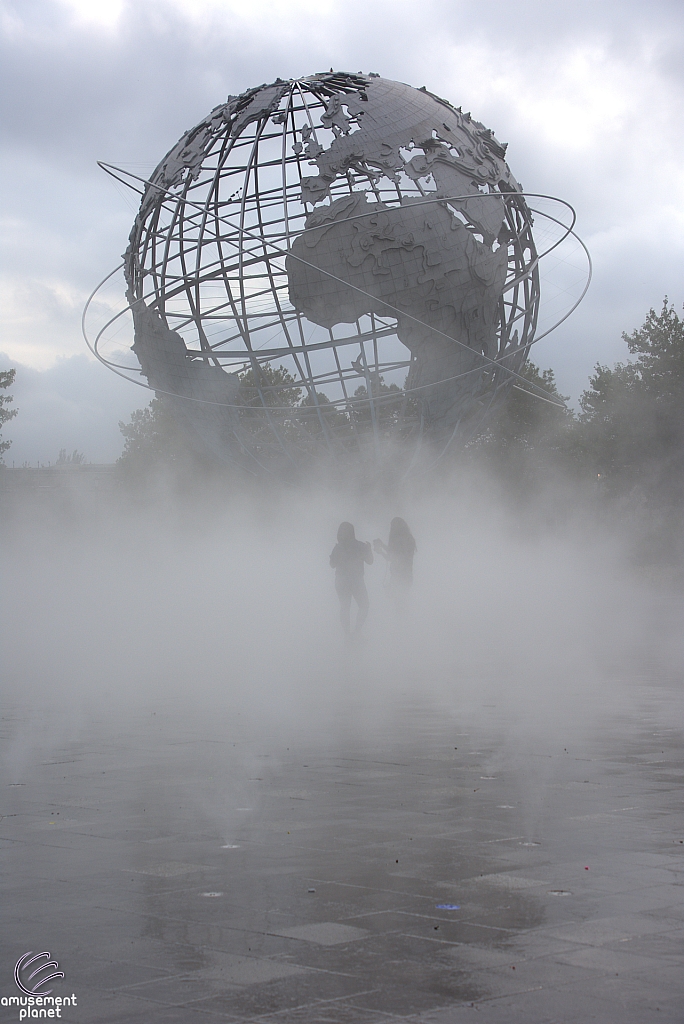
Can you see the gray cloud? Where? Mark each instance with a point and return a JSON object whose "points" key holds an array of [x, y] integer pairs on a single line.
{"points": [[75, 404]]}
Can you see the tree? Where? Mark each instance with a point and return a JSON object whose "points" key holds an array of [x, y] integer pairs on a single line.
{"points": [[6, 381], [531, 427], [659, 345], [276, 389], [152, 437], [321, 416], [392, 408], [529, 418], [161, 437], [633, 415], [269, 386], [75, 459]]}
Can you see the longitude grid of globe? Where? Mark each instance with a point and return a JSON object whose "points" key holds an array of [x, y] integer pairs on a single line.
{"points": [[209, 273]]}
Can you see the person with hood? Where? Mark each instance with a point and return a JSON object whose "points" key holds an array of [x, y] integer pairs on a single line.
{"points": [[348, 559]]}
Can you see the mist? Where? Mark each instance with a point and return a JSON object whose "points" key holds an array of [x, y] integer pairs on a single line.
{"points": [[180, 703], [530, 621]]}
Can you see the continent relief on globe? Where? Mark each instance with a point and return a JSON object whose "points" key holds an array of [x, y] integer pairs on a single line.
{"points": [[416, 263], [419, 262]]}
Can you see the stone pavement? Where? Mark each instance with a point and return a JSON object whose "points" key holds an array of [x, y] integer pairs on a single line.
{"points": [[180, 871]]}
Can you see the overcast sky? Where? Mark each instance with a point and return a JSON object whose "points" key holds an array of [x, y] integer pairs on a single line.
{"points": [[588, 94]]}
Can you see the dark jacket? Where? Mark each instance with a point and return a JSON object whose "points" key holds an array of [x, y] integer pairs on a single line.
{"points": [[347, 559]]}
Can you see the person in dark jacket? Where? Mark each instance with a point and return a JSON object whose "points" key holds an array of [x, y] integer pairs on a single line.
{"points": [[348, 559]]}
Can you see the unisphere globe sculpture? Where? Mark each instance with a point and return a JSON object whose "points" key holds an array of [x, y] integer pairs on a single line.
{"points": [[335, 264]]}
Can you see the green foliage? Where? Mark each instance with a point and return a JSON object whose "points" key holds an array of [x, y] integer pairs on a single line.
{"points": [[632, 418], [321, 415], [391, 405], [152, 438], [527, 417], [529, 429], [6, 381], [275, 388], [659, 346], [316, 414]]}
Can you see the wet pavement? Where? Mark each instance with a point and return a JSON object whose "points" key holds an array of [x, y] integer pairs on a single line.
{"points": [[181, 871]]}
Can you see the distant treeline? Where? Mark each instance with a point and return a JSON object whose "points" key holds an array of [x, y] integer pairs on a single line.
{"points": [[629, 433]]}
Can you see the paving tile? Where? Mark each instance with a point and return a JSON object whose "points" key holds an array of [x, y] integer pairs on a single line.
{"points": [[507, 881], [608, 960], [553, 1006], [640, 900], [101, 1007], [129, 1010], [113, 975], [598, 931], [223, 971], [326, 933], [305, 991], [327, 1012]]}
